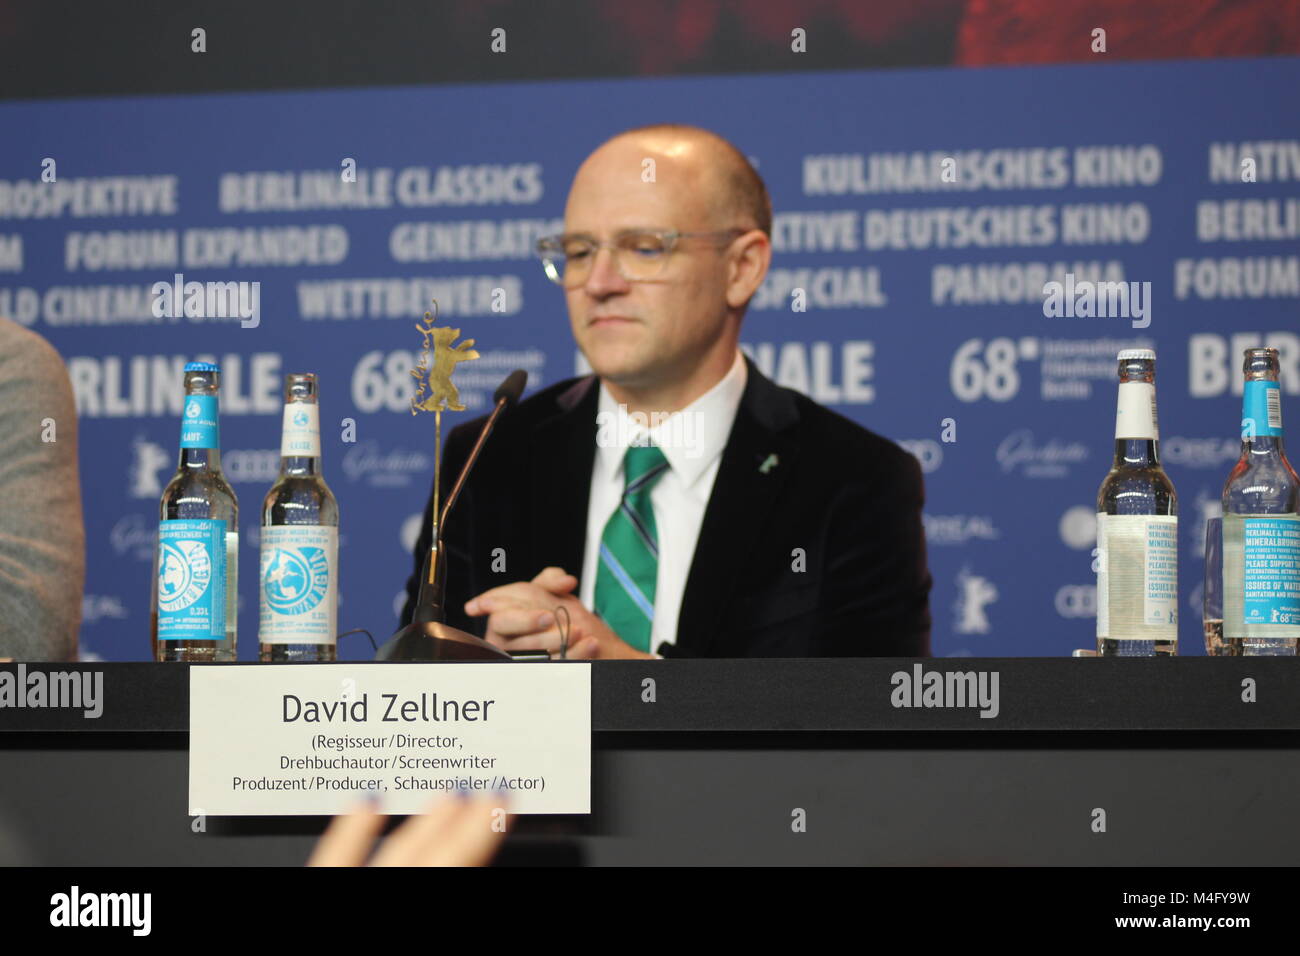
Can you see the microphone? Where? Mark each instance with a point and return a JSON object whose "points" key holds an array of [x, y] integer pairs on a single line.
{"points": [[428, 637]]}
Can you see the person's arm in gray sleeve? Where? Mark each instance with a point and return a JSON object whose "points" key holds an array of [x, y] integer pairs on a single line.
{"points": [[42, 540]]}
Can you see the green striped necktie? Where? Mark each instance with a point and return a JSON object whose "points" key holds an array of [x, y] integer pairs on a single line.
{"points": [[629, 551]]}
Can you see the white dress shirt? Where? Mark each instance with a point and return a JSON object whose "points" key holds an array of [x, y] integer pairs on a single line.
{"points": [[692, 440]]}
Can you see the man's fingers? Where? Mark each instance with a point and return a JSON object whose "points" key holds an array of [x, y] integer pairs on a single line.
{"points": [[472, 838], [520, 592], [588, 648], [513, 622], [408, 844], [348, 838], [556, 580]]}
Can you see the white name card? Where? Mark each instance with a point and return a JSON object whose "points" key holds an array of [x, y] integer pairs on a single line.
{"points": [[316, 739]]}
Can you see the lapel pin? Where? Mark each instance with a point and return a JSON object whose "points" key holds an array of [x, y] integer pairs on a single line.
{"points": [[768, 464]]}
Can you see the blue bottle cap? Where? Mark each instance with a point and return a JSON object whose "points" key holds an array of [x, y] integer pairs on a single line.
{"points": [[202, 367]]}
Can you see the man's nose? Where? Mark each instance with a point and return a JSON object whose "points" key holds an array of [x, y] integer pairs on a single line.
{"points": [[604, 277]]}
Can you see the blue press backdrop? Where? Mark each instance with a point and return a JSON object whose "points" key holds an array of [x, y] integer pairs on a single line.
{"points": [[899, 339]]}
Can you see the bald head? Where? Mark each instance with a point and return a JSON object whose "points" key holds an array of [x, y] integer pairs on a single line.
{"points": [[716, 180], [663, 337]]}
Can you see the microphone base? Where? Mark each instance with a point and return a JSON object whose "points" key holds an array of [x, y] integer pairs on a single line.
{"points": [[435, 641]]}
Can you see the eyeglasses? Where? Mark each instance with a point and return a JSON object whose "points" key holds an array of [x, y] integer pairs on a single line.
{"points": [[639, 254]]}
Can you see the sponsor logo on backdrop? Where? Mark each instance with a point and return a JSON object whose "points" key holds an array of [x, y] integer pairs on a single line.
{"points": [[1078, 527], [1199, 452], [368, 462], [251, 465], [958, 529], [147, 460], [1077, 600], [1051, 459], [925, 450], [135, 536], [974, 594], [97, 607]]}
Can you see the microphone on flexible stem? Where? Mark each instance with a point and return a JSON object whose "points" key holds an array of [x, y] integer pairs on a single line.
{"points": [[428, 637]]}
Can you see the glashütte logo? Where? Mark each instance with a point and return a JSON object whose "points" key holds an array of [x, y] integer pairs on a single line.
{"points": [[97, 606], [75, 908], [131, 536], [366, 462], [955, 689], [1051, 460]]}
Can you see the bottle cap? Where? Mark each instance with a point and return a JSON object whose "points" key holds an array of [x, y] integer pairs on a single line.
{"points": [[202, 367], [1127, 354]]}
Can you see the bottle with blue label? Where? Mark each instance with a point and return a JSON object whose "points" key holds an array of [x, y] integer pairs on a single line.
{"points": [[1261, 527], [298, 579], [194, 606]]}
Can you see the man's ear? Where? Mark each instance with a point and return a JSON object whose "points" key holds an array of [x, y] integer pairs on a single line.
{"points": [[750, 256]]}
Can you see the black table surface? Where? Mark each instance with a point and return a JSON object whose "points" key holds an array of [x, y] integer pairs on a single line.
{"points": [[1231, 695]]}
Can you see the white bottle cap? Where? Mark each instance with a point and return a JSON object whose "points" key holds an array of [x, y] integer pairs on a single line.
{"points": [[1137, 354]]}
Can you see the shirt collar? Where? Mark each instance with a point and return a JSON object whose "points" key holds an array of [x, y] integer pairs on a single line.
{"points": [[691, 439]]}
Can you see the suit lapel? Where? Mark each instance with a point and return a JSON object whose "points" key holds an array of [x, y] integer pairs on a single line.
{"points": [[562, 452], [744, 493]]}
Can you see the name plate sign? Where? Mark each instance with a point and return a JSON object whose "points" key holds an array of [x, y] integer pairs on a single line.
{"points": [[316, 739]]}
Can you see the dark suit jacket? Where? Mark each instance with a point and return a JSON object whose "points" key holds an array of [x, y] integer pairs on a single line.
{"points": [[822, 556]]}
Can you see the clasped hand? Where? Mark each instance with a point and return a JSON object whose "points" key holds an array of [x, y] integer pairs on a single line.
{"points": [[521, 617]]}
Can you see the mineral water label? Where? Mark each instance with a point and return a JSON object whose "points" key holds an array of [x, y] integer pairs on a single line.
{"points": [[232, 575], [192, 590], [1261, 409], [1270, 588], [299, 585], [1137, 577], [301, 433], [1135, 414], [199, 422]]}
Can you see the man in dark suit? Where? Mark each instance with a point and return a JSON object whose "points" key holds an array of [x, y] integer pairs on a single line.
{"points": [[709, 512]]}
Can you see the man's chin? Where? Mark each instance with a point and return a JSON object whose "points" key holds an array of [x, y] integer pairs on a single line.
{"points": [[625, 372]]}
